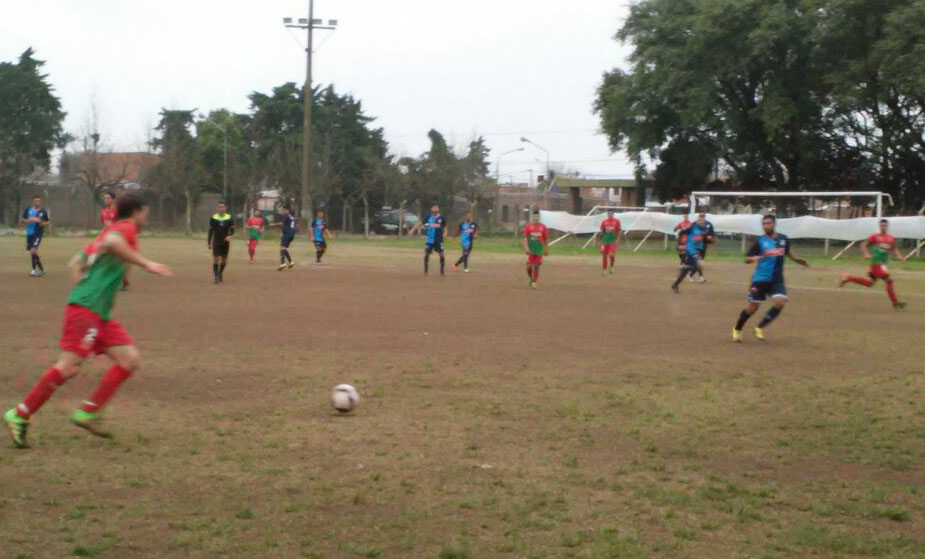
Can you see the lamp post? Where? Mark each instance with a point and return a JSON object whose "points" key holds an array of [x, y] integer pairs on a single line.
{"points": [[498, 164], [546, 151], [309, 25]]}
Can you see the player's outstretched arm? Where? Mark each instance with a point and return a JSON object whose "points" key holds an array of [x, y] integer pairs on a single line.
{"points": [[865, 250], [77, 266], [413, 229], [797, 259], [526, 245], [114, 243], [897, 253]]}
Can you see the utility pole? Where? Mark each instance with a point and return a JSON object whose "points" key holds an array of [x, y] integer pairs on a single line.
{"points": [[309, 25]]}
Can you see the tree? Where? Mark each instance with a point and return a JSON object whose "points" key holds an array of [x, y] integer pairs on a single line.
{"points": [[31, 121], [785, 93], [179, 170], [475, 167]]}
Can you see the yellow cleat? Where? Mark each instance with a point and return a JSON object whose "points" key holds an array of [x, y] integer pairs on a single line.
{"points": [[736, 335], [759, 333]]}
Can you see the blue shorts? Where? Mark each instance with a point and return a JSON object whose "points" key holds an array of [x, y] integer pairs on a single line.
{"points": [[286, 240], [33, 241], [431, 247], [759, 290], [320, 245], [691, 260], [466, 247]]}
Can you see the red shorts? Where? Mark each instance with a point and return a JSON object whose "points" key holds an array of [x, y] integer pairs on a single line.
{"points": [[535, 259], [85, 332], [608, 249], [878, 271]]}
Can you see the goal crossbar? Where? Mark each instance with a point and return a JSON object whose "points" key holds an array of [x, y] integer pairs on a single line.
{"points": [[591, 212]]}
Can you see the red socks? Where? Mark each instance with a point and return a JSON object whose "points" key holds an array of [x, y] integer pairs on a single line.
{"points": [[604, 263], [40, 393], [536, 274], [612, 257], [891, 292], [110, 382], [860, 281]]}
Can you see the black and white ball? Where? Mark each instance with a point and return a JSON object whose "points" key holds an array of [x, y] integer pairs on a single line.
{"points": [[345, 398]]}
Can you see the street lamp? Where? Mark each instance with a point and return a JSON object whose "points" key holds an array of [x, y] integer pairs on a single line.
{"points": [[224, 155], [498, 164], [528, 141]]}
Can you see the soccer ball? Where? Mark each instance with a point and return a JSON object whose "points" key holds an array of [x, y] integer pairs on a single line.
{"points": [[344, 398]]}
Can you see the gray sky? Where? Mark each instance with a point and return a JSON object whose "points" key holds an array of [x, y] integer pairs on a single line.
{"points": [[501, 68]]}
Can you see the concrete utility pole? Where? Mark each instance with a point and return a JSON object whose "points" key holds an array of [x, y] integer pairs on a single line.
{"points": [[309, 25]]}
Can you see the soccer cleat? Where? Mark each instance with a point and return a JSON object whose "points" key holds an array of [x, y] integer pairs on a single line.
{"points": [[533, 285], [18, 427], [281, 268], [216, 280], [34, 273], [843, 280], [611, 271], [899, 305], [736, 335], [604, 273], [759, 333], [466, 270], [291, 264], [701, 279], [89, 421], [675, 288]]}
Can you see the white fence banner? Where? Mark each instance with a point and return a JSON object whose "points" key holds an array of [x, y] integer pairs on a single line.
{"points": [[805, 227]]}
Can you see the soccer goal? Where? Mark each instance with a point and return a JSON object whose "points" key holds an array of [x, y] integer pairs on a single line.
{"points": [[593, 219], [826, 205]]}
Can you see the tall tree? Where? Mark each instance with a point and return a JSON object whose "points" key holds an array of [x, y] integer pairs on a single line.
{"points": [[179, 169], [31, 121], [475, 167]]}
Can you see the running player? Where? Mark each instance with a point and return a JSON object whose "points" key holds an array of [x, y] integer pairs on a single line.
{"points": [[535, 246], [468, 229], [682, 239], [88, 326], [288, 223], [108, 216], [436, 229], [610, 240], [708, 238], [221, 230], [877, 249], [696, 236], [768, 279], [108, 213], [320, 234], [254, 228], [36, 219]]}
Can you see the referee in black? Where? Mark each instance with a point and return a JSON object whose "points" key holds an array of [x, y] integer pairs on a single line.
{"points": [[221, 229]]}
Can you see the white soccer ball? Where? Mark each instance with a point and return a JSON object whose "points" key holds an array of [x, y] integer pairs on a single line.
{"points": [[345, 398]]}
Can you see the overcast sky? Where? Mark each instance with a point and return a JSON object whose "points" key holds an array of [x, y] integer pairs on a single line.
{"points": [[500, 68]]}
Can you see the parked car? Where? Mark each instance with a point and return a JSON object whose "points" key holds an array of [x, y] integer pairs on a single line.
{"points": [[387, 221]]}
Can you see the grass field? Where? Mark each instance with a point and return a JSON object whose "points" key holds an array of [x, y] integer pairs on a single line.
{"points": [[597, 417]]}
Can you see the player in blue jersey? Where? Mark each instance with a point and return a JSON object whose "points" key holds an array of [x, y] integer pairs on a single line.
{"points": [[709, 236], [468, 229], [768, 253], [320, 234], [697, 237], [288, 223], [435, 225], [36, 219]]}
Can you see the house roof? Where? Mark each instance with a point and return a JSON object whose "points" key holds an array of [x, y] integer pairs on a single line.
{"points": [[569, 182], [120, 167]]}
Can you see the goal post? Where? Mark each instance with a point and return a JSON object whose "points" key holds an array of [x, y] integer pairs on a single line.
{"points": [[696, 197], [591, 213]]}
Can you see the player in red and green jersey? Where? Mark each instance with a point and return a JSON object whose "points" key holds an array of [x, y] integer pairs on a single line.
{"points": [[877, 248], [610, 240], [535, 246], [254, 228], [97, 272]]}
